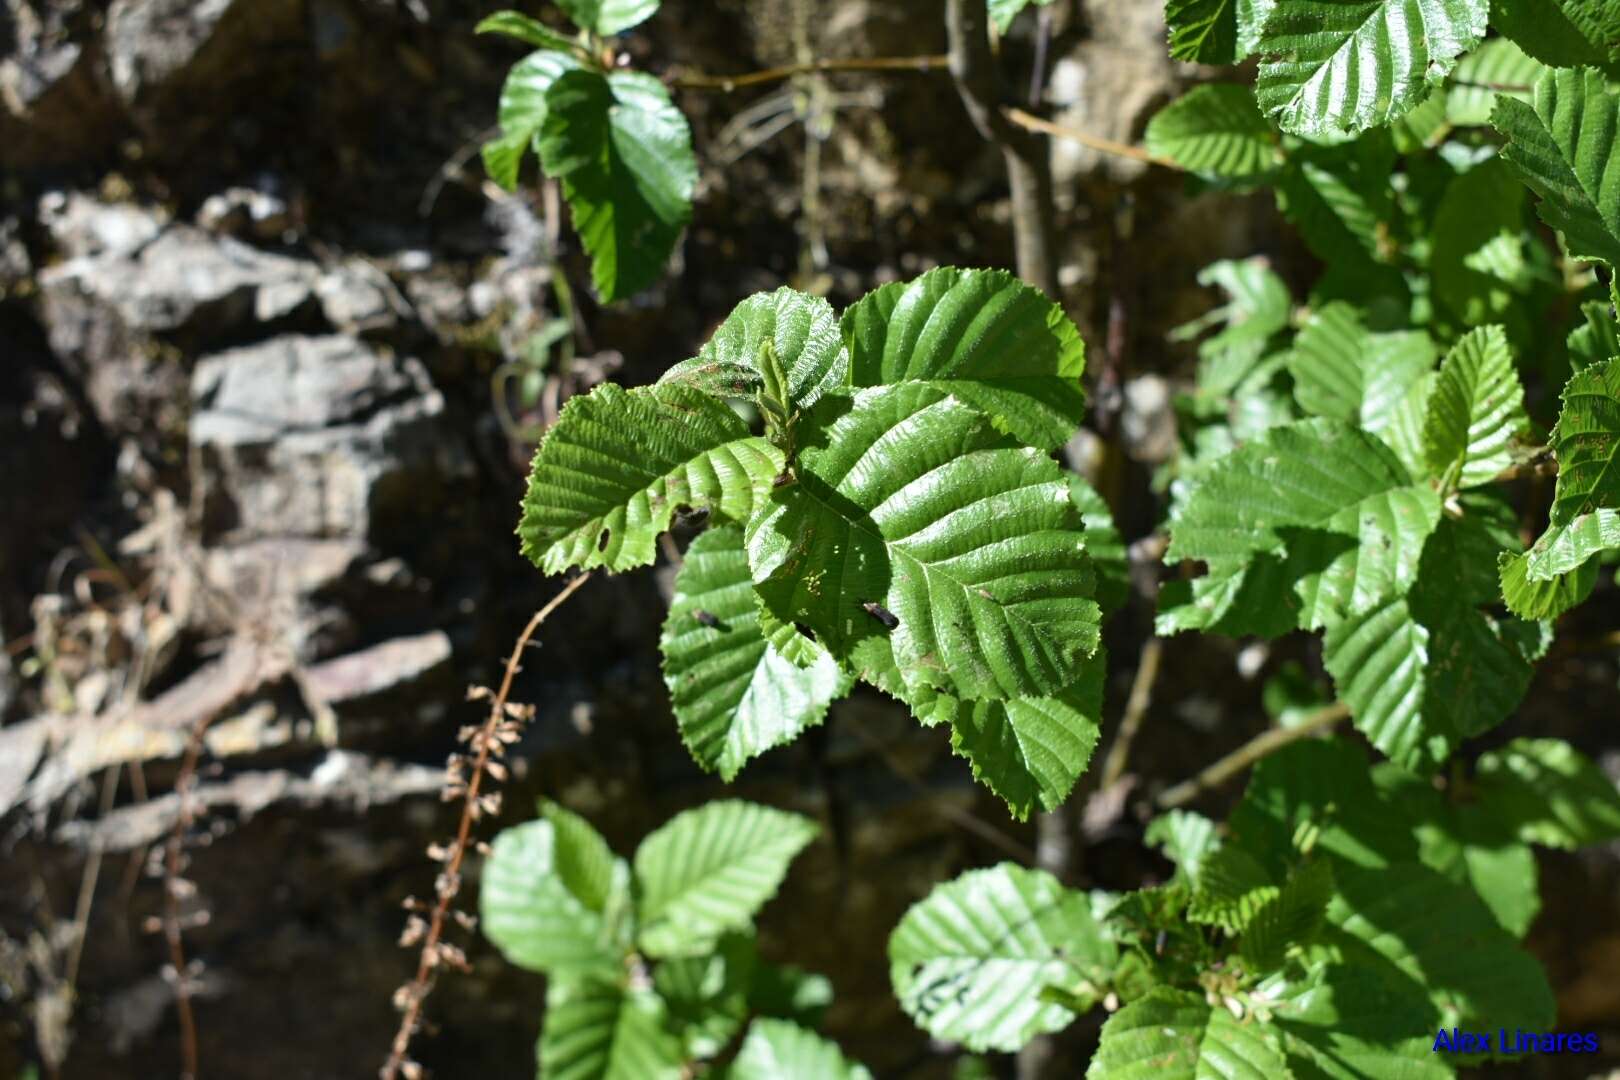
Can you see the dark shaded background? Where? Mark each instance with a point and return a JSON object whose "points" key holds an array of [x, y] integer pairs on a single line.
{"points": [[253, 288]]}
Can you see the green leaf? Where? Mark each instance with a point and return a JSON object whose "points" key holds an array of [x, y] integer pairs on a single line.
{"points": [[1563, 548], [517, 25], [915, 526], [1347, 1023], [595, 1031], [1475, 410], [1177, 1035], [707, 996], [1343, 372], [1422, 672], [1481, 76], [735, 696], [982, 335], [969, 961], [1564, 33], [1316, 505], [1566, 147], [779, 1050], [1257, 309], [1598, 339], [1029, 751], [1549, 793], [1413, 926], [1106, 547], [1467, 844], [551, 897], [1587, 443], [1215, 130], [802, 329], [1003, 12], [1187, 839], [609, 16], [609, 475], [1291, 918], [708, 870], [1547, 598], [1214, 31], [1325, 785], [523, 111], [1481, 215], [1347, 65], [623, 152], [1340, 198], [1232, 886]]}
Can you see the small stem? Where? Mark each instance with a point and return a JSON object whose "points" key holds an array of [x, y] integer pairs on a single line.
{"points": [[1031, 122], [728, 83], [417, 990], [1267, 742], [1136, 707]]}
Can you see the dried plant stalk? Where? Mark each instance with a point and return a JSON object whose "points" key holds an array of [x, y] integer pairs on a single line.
{"points": [[464, 781]]}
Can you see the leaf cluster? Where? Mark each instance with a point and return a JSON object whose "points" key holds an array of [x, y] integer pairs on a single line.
{"points": [[613, 138], [652, 965], [1343, 914], [896, 519]]}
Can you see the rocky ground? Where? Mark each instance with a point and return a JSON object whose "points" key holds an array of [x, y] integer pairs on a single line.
{"points": [[257, 302]]}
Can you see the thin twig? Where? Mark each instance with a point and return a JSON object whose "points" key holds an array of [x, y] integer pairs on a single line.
{"points": [[1136, 707], [1032, 122], [1267, 742], [490, 739], [728, 83]]}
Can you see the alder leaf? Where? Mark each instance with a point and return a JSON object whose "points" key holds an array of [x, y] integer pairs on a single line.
{"points": [[1333, 66], [551, 897], [1411, 925], [802, 329], [1566, 147], [1475, 410], [915, 523], [1549, 793], [1563, 33], [735, 696], [1498, 67], [1323, 516], [1232, 887], [982, 335], [969, 962], [707, 871], [623, 152], [1340, 199], [598, 1031], [1586, 442], [1543, 598], [1172, 1034], [522, 111], [1214, 31], [1423, 671], [1215, 130], [609, 475], [609, 16], [1595, 340], [517, 25], [1348, 1023], [780, 1050], [1029, 751], [1342, 371]]}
